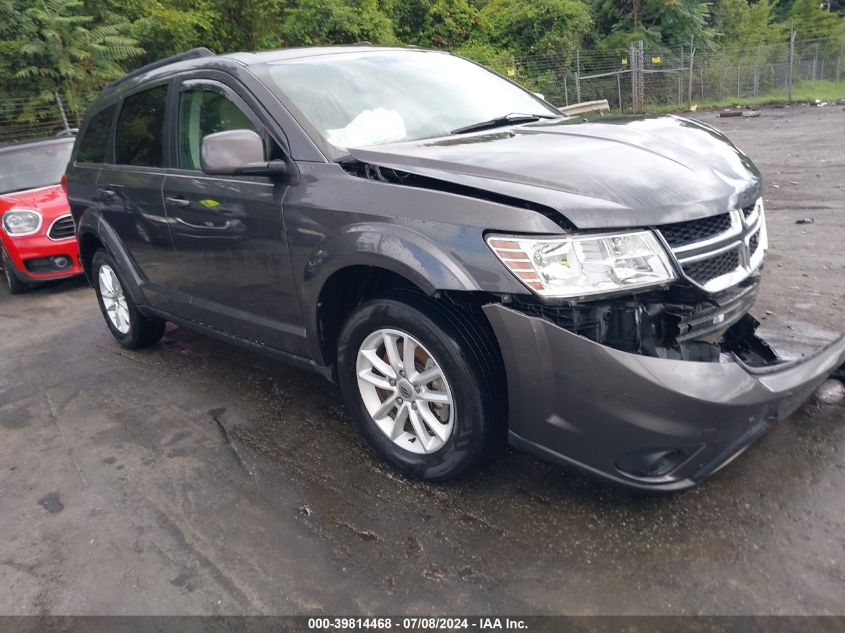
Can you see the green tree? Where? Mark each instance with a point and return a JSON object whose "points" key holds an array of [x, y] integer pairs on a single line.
{"points": [[812, 21], [247, 25], [739, 24], [490, 56], [539, 27], [621, 37], [680, 21], [434, 23], [321, 22], [61, 49], [162, 27], [657, 23]]}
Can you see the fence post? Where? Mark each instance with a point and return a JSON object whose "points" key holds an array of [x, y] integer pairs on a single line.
{"points": [[61, 110], [691, 58], [577, 75], [632, 65], [641, 75], [756, 81], [680, 77], [619, 89], [791, 61], [565, 91]]}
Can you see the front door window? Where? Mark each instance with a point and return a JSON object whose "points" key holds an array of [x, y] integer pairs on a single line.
{"points": [[203, 112]]}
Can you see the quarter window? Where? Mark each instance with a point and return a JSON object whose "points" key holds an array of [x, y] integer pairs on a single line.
{"points": [[93, 146], [140, 129], [203, 112]]}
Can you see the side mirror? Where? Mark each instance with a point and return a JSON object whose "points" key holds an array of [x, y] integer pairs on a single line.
{"points": [[237, 153]]}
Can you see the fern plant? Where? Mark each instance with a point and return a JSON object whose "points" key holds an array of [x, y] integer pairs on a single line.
{"points": [[66, 53]]}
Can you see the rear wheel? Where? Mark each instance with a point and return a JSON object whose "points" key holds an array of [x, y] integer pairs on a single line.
{"points": [[131, 328], [15, 285], [411, 376]]}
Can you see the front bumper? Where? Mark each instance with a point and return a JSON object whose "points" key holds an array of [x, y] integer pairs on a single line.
{"points": [[24, 250], [582, 404]]}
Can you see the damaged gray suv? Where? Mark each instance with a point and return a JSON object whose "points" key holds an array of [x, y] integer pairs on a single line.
{"points": [[465, 261]]}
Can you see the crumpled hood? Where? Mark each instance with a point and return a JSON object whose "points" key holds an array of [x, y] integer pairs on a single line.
{"points": [[609, 172]]}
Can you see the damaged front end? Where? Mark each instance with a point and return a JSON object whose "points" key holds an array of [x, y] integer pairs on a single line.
{"points": [[655, 391], [678, 323], [632, 354], [660, 387]]}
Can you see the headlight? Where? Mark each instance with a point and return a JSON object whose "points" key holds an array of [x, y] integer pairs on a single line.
{"points": [[18, 222], [585, 265]]}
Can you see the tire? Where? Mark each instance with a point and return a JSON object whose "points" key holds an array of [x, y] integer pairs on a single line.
{"points": [[451, 342], [13, 283], [129, 327]]}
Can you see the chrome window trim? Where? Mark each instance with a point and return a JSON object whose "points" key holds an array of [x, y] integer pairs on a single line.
{"points": [[61, 239]]}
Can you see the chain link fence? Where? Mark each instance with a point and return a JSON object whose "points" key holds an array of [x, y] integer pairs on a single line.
{"points": [[636, 79], [640, 78], [24, 118]]}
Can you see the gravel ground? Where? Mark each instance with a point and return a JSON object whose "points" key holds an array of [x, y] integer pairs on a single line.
{"points": [[195, 478]]}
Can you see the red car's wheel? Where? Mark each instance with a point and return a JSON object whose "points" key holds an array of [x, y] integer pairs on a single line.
{"points": [[15, 285]]}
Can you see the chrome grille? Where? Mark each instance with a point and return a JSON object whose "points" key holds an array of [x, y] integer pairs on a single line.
{"points": [[683, 233], [754, 242], [749, 210], [708, 269], [62, 228], [718, 252]]}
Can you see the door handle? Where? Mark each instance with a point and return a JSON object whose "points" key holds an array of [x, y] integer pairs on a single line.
{"points": [[106, 193], [177, 202]]}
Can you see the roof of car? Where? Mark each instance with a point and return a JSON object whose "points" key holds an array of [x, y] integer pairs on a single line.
{"points": [[284, 54], [37, 141], [204, 58]]}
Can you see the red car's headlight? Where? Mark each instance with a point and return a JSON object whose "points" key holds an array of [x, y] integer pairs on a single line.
{"points": [[20, 222]]}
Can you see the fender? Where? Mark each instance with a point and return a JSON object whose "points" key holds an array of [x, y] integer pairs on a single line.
{"points": [[92, 223], [392, 247]]}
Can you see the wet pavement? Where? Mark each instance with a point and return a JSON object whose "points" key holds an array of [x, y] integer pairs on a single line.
{"points": [[197, 478]]}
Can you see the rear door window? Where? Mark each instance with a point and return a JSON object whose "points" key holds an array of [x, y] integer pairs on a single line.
{"points": [[204, 111], [139, 139], [94, 144]]}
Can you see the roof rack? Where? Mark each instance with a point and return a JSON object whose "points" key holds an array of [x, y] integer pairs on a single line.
{"points": [[194, 53]]}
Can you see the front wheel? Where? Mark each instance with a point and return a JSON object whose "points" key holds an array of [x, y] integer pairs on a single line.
{"points": [[411, 376], [131, 328], [13, 283]]}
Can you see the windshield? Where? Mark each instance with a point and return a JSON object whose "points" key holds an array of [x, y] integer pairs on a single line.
{"points": [[33, 166], [376, 97]]}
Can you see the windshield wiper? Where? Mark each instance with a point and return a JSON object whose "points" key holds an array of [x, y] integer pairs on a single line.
{"points": [[500, 121]]}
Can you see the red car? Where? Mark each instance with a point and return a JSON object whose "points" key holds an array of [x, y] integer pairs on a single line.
{"points": [[37, 237]]}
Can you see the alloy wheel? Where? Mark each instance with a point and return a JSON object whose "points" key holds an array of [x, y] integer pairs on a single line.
{"points": [[405, 391], [114, 299]]}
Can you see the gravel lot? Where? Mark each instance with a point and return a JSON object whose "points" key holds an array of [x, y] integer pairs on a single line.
{"points": [[195, 478]]}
